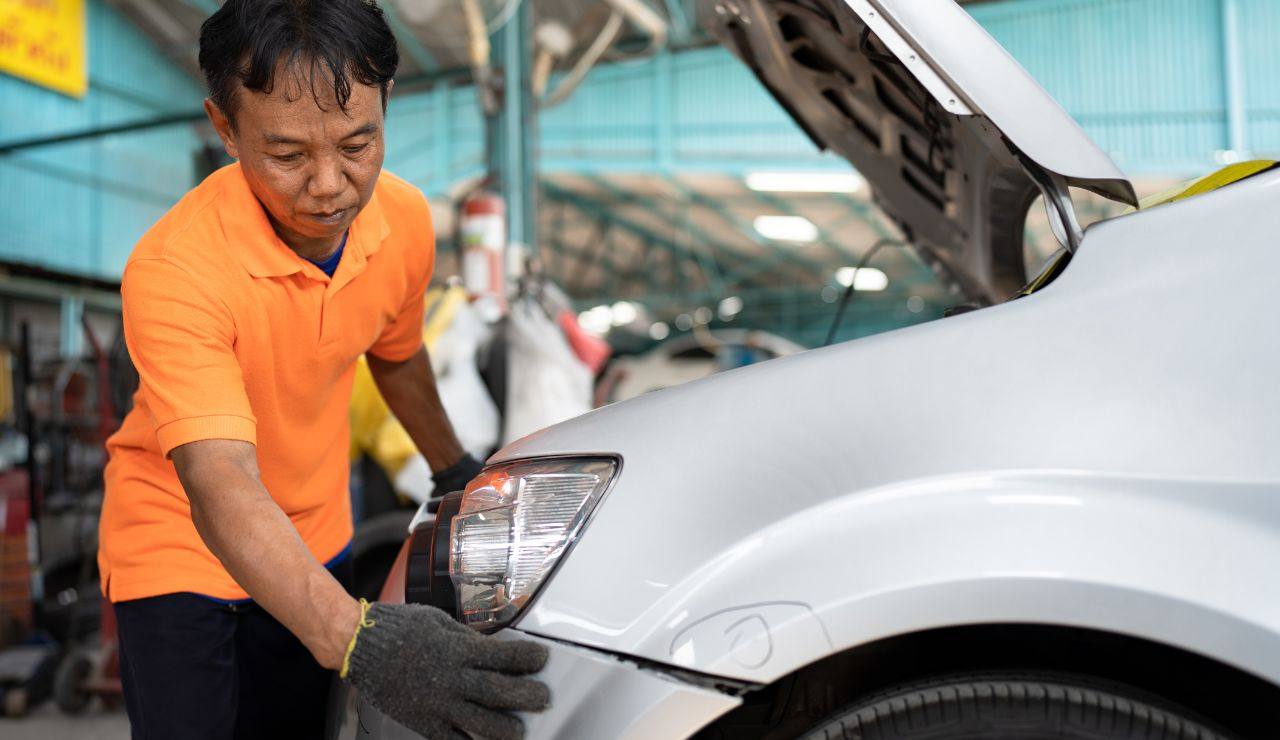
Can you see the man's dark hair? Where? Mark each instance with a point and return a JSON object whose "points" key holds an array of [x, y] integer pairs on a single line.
{"points": [[324, 42]]}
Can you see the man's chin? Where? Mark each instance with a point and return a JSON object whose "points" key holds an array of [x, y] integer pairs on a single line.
{"points": [[319, 228]]}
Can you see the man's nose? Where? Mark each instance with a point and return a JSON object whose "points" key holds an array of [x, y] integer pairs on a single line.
{"points": [[327, 179]]}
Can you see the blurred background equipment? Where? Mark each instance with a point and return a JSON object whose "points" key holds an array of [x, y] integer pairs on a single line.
{"points": [[60, 401], [699, 354]]}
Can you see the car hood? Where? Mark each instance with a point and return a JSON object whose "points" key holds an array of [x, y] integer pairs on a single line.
{"points": [[955, 138]]}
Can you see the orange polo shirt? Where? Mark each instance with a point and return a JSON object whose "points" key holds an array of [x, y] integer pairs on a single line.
{"points": [[237, 337]]}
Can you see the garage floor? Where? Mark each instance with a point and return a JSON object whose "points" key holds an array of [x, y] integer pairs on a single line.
{"points": [[47, 723]]}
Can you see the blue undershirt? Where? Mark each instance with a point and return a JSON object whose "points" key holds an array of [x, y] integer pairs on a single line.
{"points": [[330, 265]]}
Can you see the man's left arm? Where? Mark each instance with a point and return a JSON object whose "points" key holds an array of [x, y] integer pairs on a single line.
{"points": [[409, 388]]}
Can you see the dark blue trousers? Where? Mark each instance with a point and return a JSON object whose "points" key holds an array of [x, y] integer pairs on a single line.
{"points": [[197, 668]]}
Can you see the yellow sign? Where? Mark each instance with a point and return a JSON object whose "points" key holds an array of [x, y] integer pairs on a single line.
{"points": [[42, 41]]}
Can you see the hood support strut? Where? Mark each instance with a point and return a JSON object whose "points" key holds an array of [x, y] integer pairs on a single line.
{"points": [[1058, 206]]}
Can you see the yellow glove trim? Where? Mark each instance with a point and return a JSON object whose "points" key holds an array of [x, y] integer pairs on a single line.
{"points": [[351, 646]]}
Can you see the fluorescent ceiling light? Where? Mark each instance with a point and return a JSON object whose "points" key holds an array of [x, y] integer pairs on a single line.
{"points": [[596, 320], [624, 312], [786, 228], [868, 278], [805, 182], [730, 307]]}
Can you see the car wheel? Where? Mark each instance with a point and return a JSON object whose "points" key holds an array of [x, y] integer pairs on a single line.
{"points": [[1012, 707], [69, 691]]}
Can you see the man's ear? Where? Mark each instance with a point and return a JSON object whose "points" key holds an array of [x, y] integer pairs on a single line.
{"points": [[222, 125]]}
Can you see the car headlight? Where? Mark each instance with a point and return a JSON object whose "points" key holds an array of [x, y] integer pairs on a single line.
{"points": [[514, 523]]}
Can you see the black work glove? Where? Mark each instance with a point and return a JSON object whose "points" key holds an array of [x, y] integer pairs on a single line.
{"points": [[453, 478], [437, 677]]}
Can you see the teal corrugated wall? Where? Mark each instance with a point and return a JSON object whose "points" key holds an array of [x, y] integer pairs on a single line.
{"points": [[1146, 78], [1260, 56], [435, 138], [80, 207], [699, 110]]}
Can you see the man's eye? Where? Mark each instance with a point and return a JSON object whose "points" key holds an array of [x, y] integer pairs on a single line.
{"points": [[355, 149], [288, 158]]}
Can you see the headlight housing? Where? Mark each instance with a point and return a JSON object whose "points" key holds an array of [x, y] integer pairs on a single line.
{"points": [[515, 522]]}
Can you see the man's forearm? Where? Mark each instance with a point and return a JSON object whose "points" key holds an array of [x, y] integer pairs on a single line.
{"points": [[258, 545], [409, 388]]}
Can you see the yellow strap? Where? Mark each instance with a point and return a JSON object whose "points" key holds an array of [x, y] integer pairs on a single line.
{"points": [[1212, 181], [351, 646], [1050, 267]]}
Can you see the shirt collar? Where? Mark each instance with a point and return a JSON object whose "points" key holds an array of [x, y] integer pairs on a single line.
{"points": [[259, 249]]}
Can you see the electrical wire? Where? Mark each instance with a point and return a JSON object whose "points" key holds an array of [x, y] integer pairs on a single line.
{"points": [[574, 77], [846, 299], [635, 12], [646, 19]]}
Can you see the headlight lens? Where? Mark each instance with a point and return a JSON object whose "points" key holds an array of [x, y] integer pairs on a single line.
{"points": [[516, 521]]}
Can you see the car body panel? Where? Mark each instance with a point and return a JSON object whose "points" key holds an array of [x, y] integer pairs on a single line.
{"points": [[1175, 562], [594, 696], [1151, 402]]}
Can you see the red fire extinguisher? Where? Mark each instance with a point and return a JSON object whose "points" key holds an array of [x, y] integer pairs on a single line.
{"points": [[483, 227]]}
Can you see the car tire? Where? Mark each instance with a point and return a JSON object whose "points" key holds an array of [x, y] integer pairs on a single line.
{"points": [[69, 691], [1006, 706]]}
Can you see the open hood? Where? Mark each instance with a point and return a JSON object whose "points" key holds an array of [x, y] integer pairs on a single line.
{"points": [[955, 138]]}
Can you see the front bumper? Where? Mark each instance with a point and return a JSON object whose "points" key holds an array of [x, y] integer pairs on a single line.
{"points": [[593, 695]]}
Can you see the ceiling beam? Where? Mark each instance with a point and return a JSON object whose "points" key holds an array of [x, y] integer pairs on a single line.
{"points": [[597, 210], [707, 246], [860, 212], [704, 256], [782, 250], [98, 131]]}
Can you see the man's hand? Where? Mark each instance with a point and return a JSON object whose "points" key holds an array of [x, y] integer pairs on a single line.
{"points": [[456, 476], [435, 676]]}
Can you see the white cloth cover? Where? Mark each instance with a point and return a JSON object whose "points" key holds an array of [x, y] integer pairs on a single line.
{"points": [[546, 382]]}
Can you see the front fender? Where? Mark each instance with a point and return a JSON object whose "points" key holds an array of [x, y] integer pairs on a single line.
{"points": [[1183, 562]]}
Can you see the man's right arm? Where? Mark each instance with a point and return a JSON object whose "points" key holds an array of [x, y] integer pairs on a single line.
{"points": [[258, 545], [413, 662]]}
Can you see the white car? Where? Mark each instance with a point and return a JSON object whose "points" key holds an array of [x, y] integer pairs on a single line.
{"points": [[1054, 517], [689, 357]]}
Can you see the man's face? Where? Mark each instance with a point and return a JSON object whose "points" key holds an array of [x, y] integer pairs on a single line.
{"points": [[311, 164]]}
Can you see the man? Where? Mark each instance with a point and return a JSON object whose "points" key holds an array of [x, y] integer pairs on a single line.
{"points": [[227, 521]]}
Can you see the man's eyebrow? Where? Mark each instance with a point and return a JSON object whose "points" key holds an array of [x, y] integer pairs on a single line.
{"points": [[368, 128], [279, 139]]}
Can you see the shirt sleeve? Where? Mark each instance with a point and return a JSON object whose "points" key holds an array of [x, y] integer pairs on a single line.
{"points": [[181, 339], [402, 337]]}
